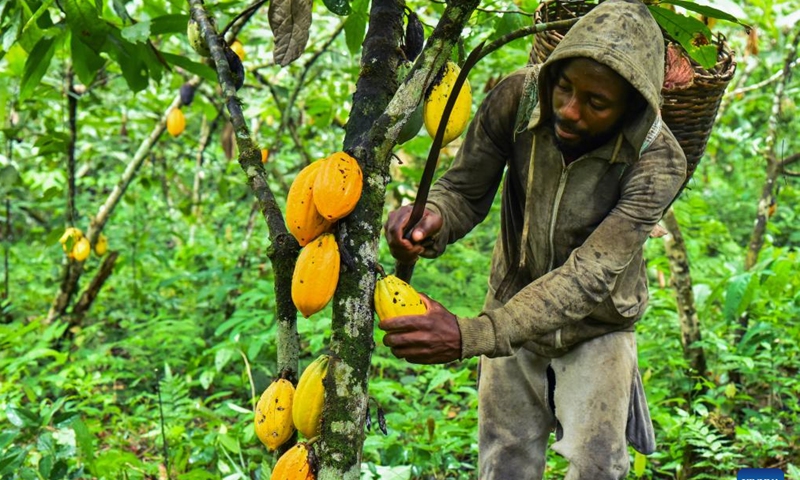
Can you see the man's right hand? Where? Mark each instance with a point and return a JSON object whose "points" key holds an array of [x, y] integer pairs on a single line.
{"points": [[404, 250]]}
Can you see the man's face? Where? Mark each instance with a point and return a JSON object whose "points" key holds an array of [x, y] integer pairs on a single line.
{"points": [[589, 103]]}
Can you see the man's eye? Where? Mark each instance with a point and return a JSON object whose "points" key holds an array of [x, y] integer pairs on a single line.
{"points": [[598, 105]]}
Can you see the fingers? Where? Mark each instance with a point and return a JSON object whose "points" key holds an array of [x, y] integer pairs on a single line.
{"points": [[428, 226]]}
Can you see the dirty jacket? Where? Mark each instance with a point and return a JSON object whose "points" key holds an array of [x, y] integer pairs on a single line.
{"points": [[567, 264]]}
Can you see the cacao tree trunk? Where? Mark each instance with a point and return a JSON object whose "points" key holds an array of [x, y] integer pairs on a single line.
{"points": [[375, 120], [681, 280], [775, 167]]}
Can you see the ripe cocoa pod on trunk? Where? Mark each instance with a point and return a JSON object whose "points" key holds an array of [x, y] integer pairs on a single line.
{"points": [[316, 275], [273, 419], [309, 398]]}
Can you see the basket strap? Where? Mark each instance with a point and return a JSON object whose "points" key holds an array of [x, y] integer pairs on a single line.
{"points": [[528, 101], [655, 128]]}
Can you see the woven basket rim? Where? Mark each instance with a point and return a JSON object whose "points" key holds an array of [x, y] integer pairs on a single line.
{"points": [[722, 70]]}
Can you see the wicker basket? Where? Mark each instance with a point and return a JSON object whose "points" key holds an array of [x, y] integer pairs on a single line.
{"points": [[690, 112]]}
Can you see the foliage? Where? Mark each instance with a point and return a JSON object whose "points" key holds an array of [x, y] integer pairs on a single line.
{"points": [[87, 401]]}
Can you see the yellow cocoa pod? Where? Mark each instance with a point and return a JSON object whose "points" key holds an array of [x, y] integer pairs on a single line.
{"points": [[316, 275], [69, 239], [309, 397], [238, 49], [176, 122], [394, 297], [304, 221], [80, 251], [296, 464], [101, 246], [437, 99], [274, 414], [338, 185]]}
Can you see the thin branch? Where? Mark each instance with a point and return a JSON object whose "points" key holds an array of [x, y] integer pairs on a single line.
{"points": [[788, 161], [772, 129], [760, 85], [72, 109], [284, 248], [90, 294], [243, 17]]}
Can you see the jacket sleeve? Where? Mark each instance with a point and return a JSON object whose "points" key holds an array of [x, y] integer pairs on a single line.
{"points": [[566, 295], [464, 194]]}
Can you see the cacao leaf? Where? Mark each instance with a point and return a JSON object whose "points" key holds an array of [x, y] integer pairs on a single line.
{"points": [[339, 7], [85, 61], [84, 21], [36, 66], [290, 21], [685, 30], [169, 24], [129, 57], [710, 12], [355, 28], [137, 33], [187, 63]]}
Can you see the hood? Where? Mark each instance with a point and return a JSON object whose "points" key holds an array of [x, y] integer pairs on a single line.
{"points": [[624, 36]]}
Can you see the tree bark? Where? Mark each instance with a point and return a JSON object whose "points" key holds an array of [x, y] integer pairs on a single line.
{"points": [[774, 170], [374, 123], [284, 248], [681, 280], [90, 294]]}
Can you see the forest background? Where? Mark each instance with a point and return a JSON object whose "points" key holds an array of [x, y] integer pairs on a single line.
{"points": [[152, 366]]}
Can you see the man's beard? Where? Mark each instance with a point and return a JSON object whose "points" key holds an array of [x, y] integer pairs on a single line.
{"points": [[586, 143]]}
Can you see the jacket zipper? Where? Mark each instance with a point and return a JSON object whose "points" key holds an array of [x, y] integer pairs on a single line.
{"points": [[562, 182]]}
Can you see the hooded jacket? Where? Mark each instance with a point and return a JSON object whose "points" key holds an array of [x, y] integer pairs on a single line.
{"points": [[567, 264]]}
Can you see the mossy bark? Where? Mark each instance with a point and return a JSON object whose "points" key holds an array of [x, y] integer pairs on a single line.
{"points": [[283, 248], [379, 112]]}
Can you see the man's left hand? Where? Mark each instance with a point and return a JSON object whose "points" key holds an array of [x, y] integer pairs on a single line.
{"points": [[433, 337]]}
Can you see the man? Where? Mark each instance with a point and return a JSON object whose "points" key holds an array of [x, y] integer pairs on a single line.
{"points": [[589, 171]]}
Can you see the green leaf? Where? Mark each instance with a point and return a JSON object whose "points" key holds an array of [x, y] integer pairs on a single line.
{"points": [[36, 66], [735, 294], [84, 440], [129, 57], [222, 358], [685, 30], [53, 142], [355, 28], [86, 62], [85, 23], [230, 443], [507, 23], [11, 32], [710, 12], [339, 7], [639, 464], [137, 33], [8, 176], [169, 24], [190, 65]]}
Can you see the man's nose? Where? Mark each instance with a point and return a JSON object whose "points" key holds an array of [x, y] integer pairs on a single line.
{"points": [[570, 110]]}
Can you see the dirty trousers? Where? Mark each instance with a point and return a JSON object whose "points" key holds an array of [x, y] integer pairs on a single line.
{"points": [[593, 384]]}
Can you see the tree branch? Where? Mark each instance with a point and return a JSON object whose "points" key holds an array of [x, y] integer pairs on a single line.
{"points": [[789, 161], [284, 248]]}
